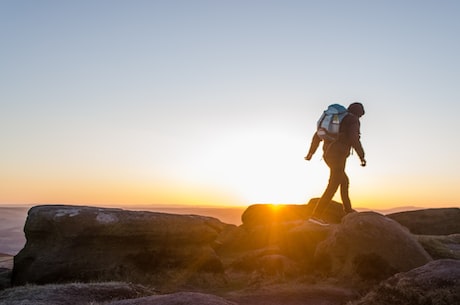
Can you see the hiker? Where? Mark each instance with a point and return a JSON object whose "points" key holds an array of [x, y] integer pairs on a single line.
{"points": [[335, 154]]}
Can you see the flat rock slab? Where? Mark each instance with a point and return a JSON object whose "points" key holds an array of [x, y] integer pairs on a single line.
{"points": [[75, 243]]}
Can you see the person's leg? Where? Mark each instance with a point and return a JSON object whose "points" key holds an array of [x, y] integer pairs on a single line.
{"points": [[337, 172], [344, 186]]}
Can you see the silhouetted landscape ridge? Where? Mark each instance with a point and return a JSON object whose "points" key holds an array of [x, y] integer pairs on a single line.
{"points": [[114, 256]]}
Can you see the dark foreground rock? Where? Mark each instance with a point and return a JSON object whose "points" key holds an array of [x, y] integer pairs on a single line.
{"points": [[5, 278], [436, 283], [282, 259], [179, 298], [439, 246], [74, 243], [268, 214], [430, 221], [76, 294], [294, 294], [129, 294], [370, 247]]}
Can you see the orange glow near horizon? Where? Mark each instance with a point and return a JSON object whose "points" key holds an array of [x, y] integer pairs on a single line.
{"points": [[170, 195], [255, 174], [120, 193]]}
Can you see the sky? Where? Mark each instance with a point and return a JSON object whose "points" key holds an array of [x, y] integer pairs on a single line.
{"points": [[211, 103]]}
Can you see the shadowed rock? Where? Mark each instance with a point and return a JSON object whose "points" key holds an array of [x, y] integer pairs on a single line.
{"points": [[75, 293], [430, 221], [74, 243], [300, 243], [440, 247], [268, 214], [434, 283], [5, 278], [371, 246], [180, 298]]}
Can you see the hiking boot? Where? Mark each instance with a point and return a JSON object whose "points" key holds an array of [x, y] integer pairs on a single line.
{"points": [[318, 221]]}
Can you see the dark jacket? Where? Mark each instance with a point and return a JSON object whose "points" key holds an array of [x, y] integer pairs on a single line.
{"points": [[349, 137]]}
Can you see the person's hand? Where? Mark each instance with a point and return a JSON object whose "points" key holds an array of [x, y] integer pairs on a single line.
{"points": [[363, 162], [308, 157]]}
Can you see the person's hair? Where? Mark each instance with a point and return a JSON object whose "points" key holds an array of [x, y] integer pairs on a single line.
{"points": [[356, 109]]}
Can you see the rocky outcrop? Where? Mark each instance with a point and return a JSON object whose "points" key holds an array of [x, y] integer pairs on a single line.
{"points": [[251, 247], [437, 283], [180, 298], [369, 246], [430, 221], [440, 247], [74, 243], [275, 247], [268, 214], [113, 293], [300, 243], [278, 226], [74, 293]]}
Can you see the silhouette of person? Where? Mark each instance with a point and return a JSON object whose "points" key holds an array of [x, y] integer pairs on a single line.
{"points": [[335, 154]]}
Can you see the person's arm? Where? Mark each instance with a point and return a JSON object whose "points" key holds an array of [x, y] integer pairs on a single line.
{"points": [[313, 146], [354, 137]]}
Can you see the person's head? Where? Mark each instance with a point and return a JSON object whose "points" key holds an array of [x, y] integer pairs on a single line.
{"points": [[357, 109]]}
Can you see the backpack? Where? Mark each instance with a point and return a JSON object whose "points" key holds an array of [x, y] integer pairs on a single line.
{"points": [[328, 125]]}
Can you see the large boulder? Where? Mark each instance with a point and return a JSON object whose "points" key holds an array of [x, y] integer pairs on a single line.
{"points": [[437, 283], [369, 246], [268, 214], [430, 221], [300, 242], [75, 243]]}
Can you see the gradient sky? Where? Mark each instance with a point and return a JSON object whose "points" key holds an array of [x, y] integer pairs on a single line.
{"points": [[215, 102]]}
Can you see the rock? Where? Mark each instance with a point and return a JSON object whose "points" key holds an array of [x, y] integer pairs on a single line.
{"points": [[294, 239], [300, 242], [231, 240], [434, 283], [179, 298], [430, 221], [5, 278], [333, 213], [276, 230], [369, 246], [282, 226], [293, 293], [259, 237], [268, 214], [75, 243], [276, 265], [76, 293], [440, 247]]}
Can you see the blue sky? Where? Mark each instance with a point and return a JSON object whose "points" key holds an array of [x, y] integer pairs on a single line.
{"points": [[215, 102]]}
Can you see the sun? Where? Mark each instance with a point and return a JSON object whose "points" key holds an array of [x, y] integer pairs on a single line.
{"points": [[260, 166]]}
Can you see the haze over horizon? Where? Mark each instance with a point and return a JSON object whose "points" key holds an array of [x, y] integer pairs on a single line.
{"points": [[214, 103]]}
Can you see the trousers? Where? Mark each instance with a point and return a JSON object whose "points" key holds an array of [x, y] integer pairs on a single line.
{"points": [[337, 178]]}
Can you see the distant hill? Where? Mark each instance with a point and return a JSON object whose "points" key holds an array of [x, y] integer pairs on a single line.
{"points": [[6, 261], [12, 221]]}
